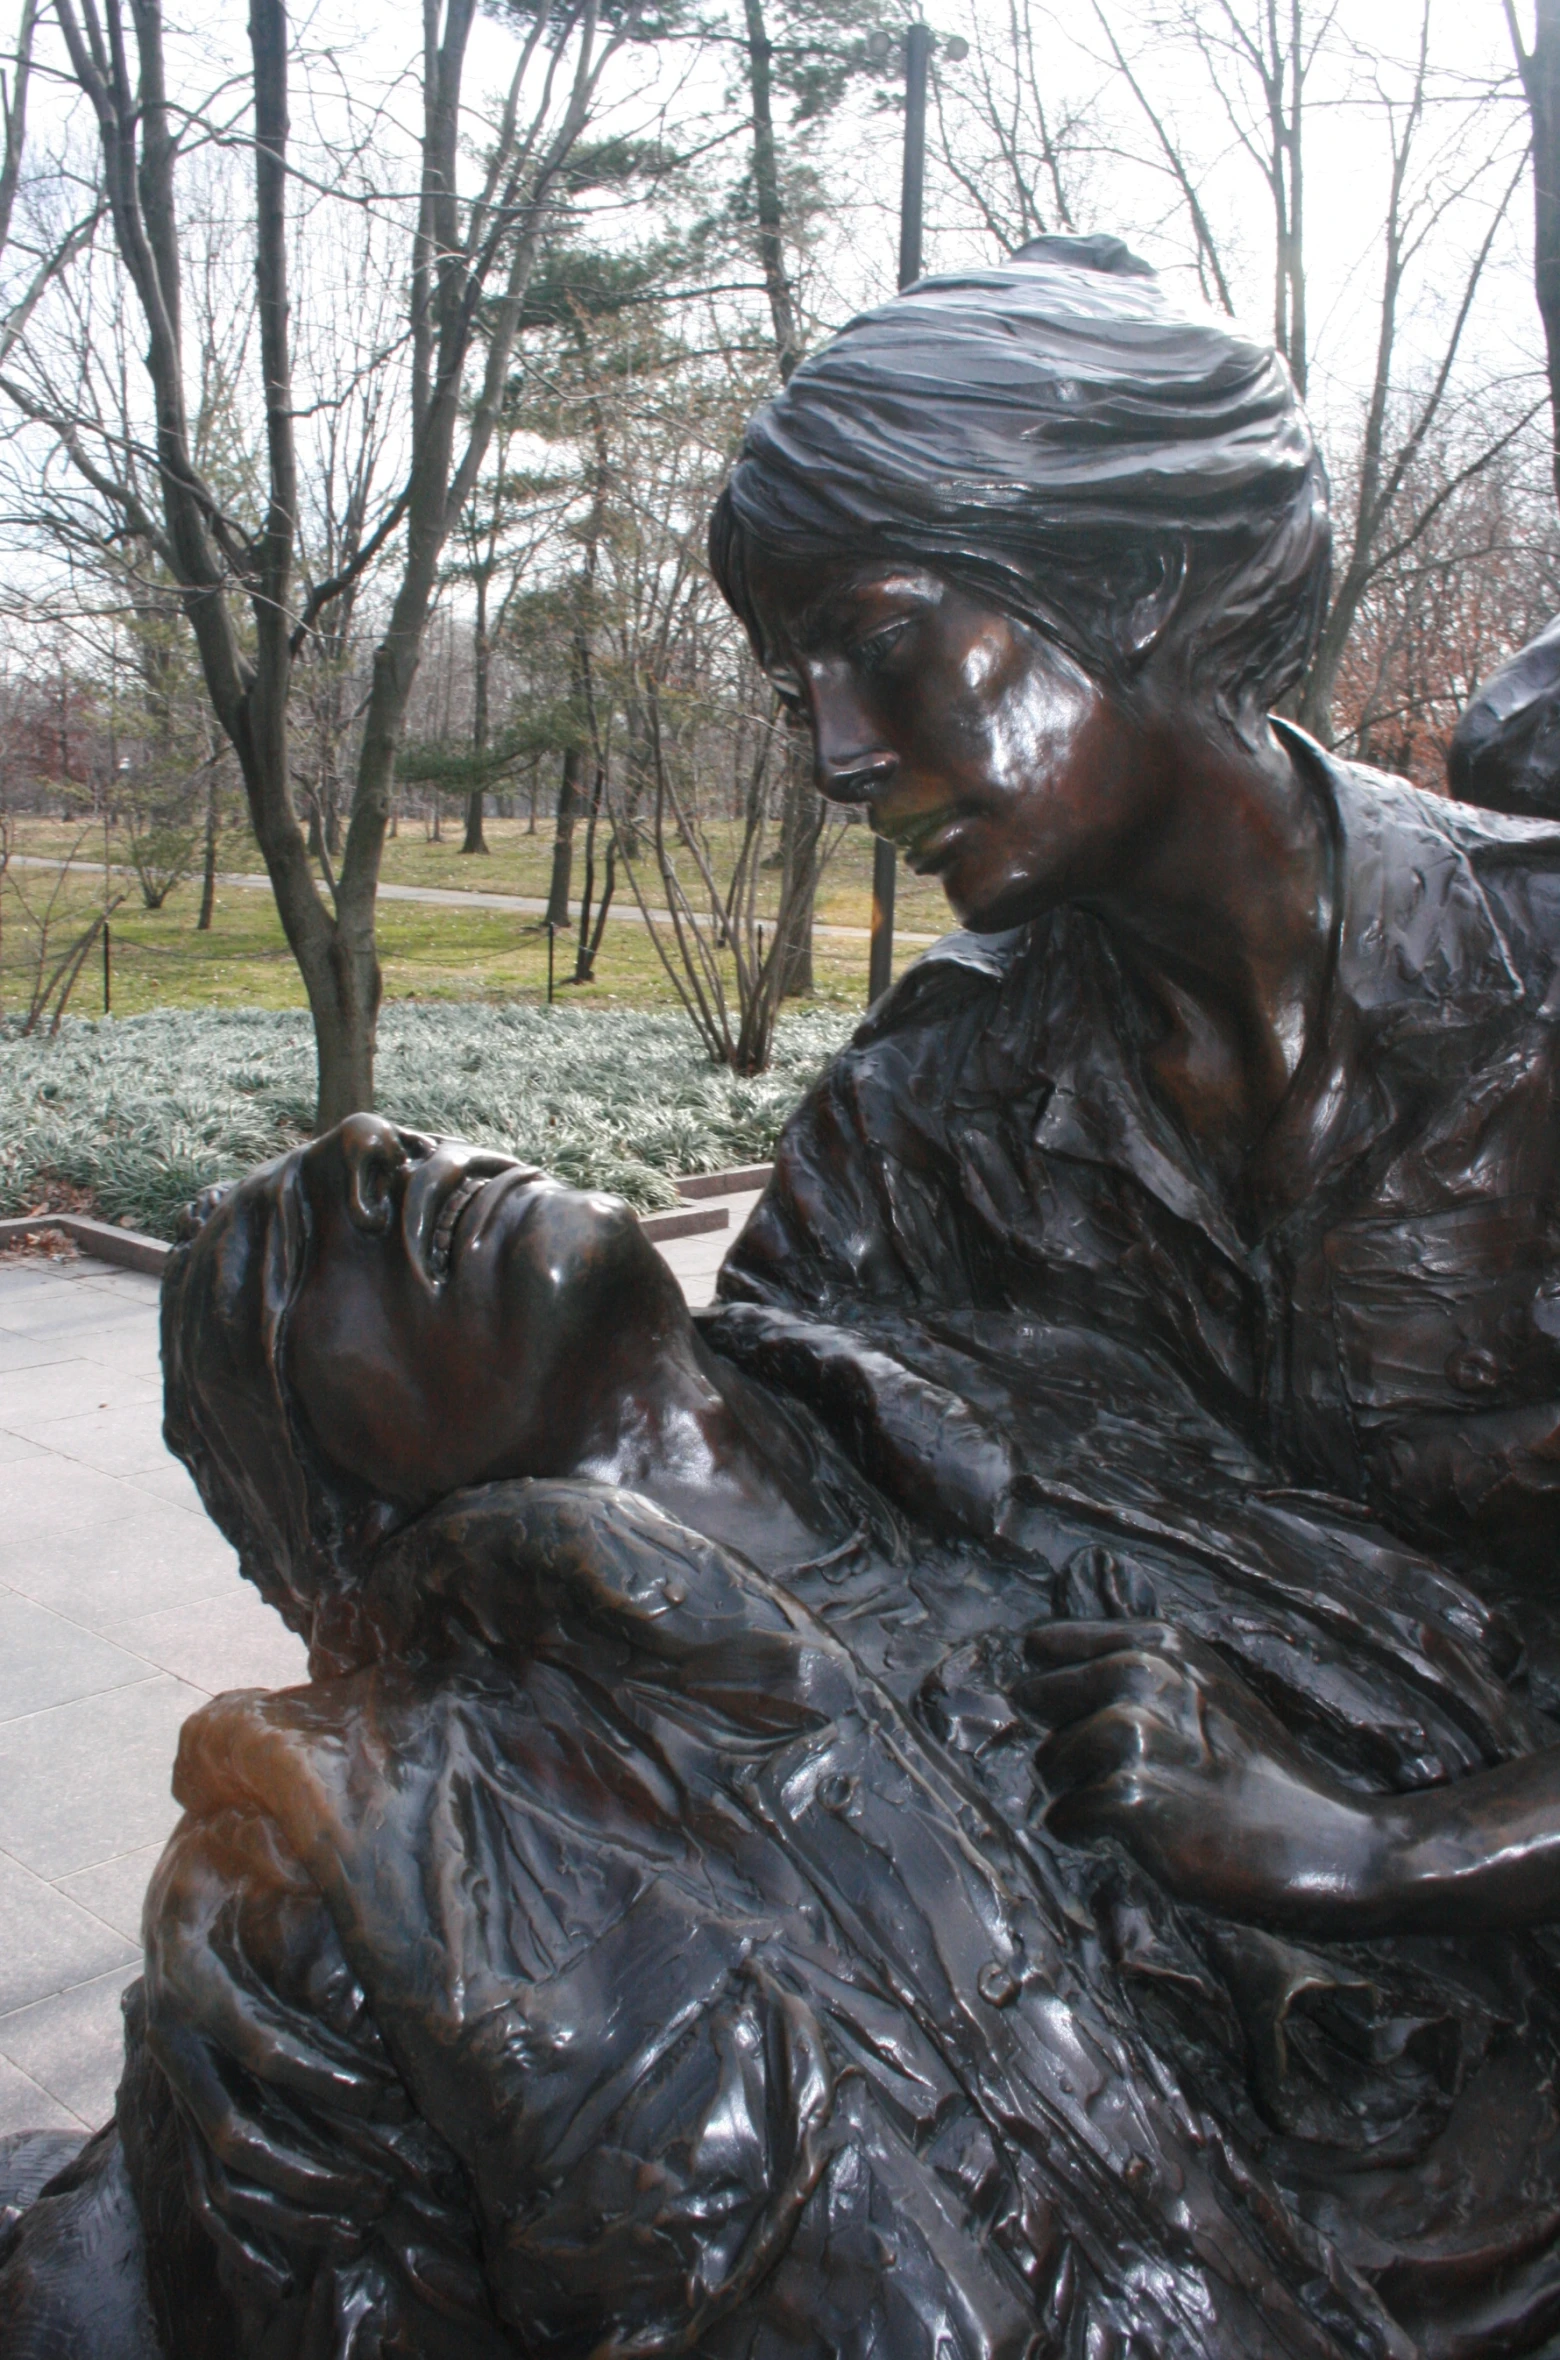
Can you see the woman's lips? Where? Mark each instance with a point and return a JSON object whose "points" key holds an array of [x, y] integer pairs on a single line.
{"points": [[925, 843]]}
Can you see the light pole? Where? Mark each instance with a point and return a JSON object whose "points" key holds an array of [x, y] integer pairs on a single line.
{"points": [[918, 56]]}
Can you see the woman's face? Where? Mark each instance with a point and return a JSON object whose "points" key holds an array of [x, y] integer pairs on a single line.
{"points": [[463, 1317], [975, 745]]}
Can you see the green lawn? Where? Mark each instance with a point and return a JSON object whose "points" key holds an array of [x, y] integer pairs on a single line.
{"points": [[428, 952]]}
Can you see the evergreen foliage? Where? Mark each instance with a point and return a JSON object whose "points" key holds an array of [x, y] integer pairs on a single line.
{"points": [[147, 1110]]}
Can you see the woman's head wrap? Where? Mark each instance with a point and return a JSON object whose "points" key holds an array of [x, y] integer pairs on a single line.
{"points": [[304, 1531], [1064, 440]]}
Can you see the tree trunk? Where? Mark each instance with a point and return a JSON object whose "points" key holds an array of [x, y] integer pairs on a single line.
{"points": [[475, 840], [766, 195], [344, 1002], [208, 878], [1315, 705], [801, 825], [585, 948], [563, 841], [639, 775], [1541, 81]]}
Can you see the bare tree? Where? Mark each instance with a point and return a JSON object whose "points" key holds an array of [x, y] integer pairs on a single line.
{"points": [[44, 262], [1257, 60], [1539, 67], [1481, 578], [467, 265], [50, 973], [1450, 167], [1397, 425], [1017, 148], [712, 941]]}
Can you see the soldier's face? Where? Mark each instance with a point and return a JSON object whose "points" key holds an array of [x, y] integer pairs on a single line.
{"points": [[463, 1317]]}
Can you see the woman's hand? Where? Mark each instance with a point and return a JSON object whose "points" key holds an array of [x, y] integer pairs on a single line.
{"points": [[1154, 1741]]}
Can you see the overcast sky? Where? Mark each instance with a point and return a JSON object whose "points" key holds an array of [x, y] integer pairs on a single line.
{"points": [[357, 82]]}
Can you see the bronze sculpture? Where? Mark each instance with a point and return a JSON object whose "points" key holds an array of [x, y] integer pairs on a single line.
{"points": [[994, 1793], [1505, 750]]}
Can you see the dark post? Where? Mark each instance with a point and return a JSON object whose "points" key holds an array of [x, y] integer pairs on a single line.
{"points": [[918, 50], [107, 973], [918, 53], [552, 935]]}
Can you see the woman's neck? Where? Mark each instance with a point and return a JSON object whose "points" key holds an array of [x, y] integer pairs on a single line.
{"points": [[1224, 922]]}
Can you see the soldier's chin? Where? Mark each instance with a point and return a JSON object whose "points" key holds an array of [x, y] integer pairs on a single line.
{"points": [[575, 1256]]}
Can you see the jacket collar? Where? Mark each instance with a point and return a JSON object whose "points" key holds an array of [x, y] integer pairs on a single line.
{"points": [[1419, 968], [1422, 976]]}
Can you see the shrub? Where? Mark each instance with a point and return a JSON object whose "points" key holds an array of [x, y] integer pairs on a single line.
{"points": [[145, 1110]]}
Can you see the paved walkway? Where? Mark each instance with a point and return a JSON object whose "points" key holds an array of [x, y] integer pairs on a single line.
{"points": [[455, 897], [121, 1611]]}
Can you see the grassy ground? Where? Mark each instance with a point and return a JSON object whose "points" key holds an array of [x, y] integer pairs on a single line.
{"points": [[518, 863], [208, 1066], [428, 952]]}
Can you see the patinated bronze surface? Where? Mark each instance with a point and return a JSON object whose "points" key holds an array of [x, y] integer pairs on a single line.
{"points": [[995, 1794], [1505, 750]]}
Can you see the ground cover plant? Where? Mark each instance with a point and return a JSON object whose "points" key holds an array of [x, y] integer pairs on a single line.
{"points": [[143, 1111]]}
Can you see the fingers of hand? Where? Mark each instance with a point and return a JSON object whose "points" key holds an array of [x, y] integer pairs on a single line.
{"points": [[1093, 1811], [1124, 1738], [1130, 1677], [1053, 1644]]}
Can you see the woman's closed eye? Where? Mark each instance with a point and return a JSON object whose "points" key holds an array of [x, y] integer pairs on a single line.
{"points": [[872, 652]]}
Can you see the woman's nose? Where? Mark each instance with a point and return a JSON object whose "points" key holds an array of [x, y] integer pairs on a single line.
{"points": [[847, 767]]}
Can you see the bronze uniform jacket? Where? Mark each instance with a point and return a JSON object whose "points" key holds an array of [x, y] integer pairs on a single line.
{"points": [[988, 1147]]}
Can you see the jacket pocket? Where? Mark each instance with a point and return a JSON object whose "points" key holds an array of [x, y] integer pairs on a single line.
{"points": [[1452, 1311]]}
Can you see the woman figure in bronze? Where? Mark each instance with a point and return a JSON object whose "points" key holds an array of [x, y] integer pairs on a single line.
{"points": [[994, 1794], [1246, 1056]]}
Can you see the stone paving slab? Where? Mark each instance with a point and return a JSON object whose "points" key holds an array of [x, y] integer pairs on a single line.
{"points": [[46, 1659], [697, 1259], [115, 1890], [146, 1557], [51, 1940], [60, 2044], [121, 1611], [24, 2106], [88, 1780]]}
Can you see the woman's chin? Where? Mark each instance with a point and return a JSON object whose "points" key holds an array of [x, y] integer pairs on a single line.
{"points": [[988, 909]]}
